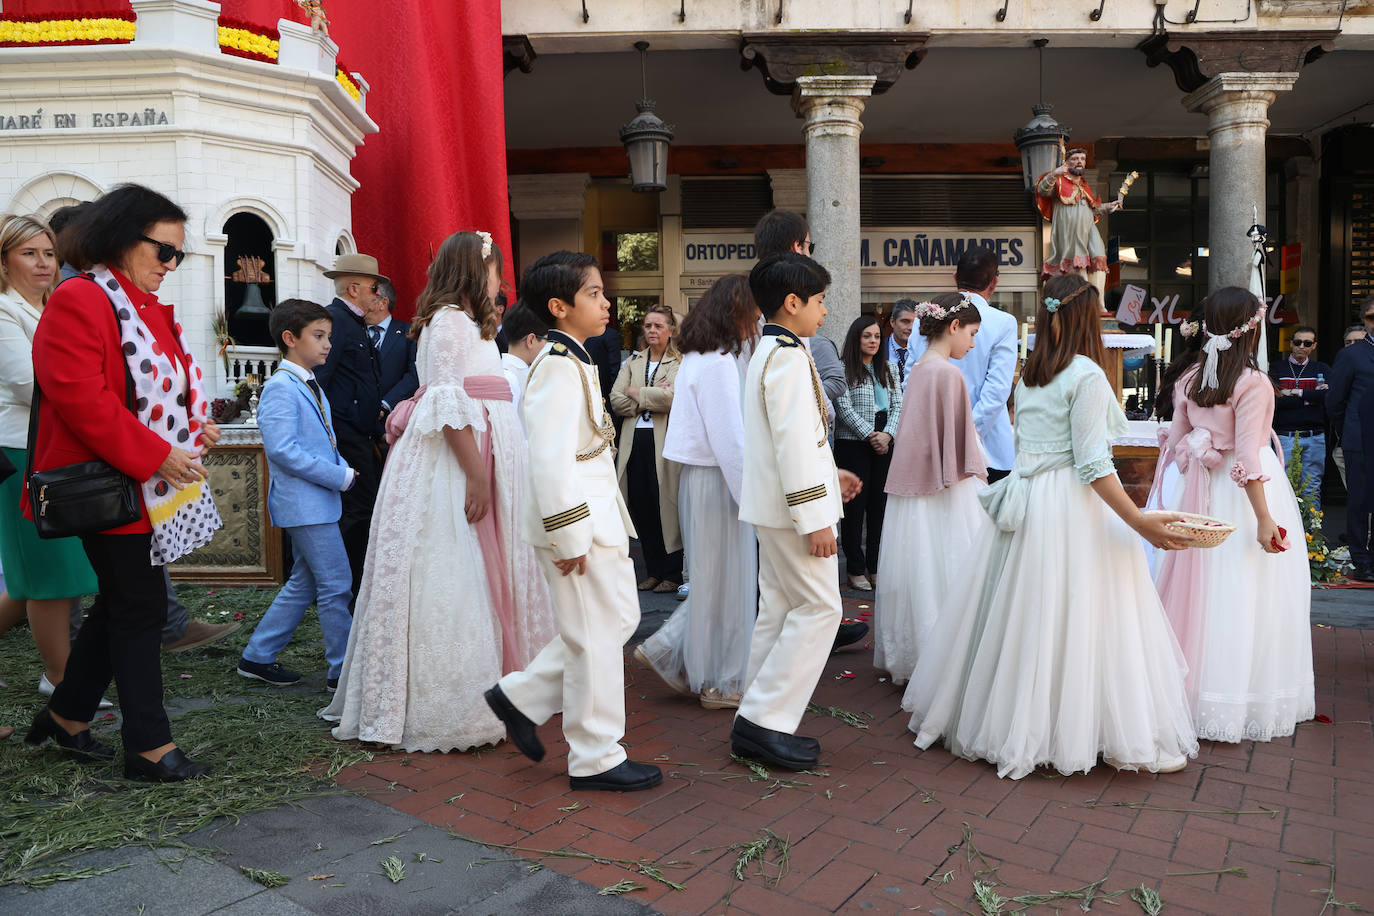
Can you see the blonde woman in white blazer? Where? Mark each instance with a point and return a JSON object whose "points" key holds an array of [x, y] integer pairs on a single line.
{"points": [[643, 395], [41, 576]]}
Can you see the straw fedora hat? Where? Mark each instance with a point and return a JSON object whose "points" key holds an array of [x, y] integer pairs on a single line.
{"points": [[355, 265]]}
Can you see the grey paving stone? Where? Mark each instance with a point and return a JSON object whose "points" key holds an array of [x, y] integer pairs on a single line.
{"points": [[159, 881], [267, 903], [551, 894]]}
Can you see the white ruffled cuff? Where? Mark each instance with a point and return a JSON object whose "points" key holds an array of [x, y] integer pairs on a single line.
{"points": [[1095, 469], [446, 405]]}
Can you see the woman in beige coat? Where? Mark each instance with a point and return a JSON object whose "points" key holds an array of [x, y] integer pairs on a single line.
{"points": [[643, 394]]}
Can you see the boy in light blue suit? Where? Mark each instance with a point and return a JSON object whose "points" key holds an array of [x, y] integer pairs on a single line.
{"points": [[307, 476]]}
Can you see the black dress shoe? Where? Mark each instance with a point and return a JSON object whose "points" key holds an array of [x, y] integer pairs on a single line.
{"points": [[778, 748], [82, 746], [173, 767], [627, 776], [520, 729], [849, 633], [1362, 572]]}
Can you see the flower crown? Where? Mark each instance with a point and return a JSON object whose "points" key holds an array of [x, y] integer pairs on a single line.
{"points": [[1190, 328], [486, 243], [1053, 305], [1239, 332], [1216, 343], [940, 313]]}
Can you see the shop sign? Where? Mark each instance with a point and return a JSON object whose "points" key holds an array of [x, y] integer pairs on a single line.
{"points": [[905, 250], [939, 250], [39, 119]]}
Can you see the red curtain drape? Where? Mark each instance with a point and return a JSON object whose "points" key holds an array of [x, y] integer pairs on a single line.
{"points": [[439, 162]]}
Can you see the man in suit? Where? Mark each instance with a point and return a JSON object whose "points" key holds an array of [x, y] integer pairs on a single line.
{"points": [[395, 349], [352, 380], [989, 366], [1350, 405]]}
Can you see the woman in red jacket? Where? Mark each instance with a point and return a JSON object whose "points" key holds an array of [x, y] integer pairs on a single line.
{"points": [[98, 330]]}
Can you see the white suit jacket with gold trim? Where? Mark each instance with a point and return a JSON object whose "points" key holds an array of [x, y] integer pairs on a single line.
{"points": [[569, 504], [789, 472]]}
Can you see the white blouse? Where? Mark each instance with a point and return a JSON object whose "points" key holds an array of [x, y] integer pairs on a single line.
{"points": [[707, 421], [18, 321]]}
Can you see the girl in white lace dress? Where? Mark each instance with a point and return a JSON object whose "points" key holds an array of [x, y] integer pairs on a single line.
{"points": [[451, 596], [1054, 648]]}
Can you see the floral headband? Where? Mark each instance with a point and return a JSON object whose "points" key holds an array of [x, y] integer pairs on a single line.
{"points": [[486, 243], [1216, 343], [940, 313], [1053, 305]]}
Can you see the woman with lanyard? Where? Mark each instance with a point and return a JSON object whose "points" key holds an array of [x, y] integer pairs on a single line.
{"points": [[644, 391]]}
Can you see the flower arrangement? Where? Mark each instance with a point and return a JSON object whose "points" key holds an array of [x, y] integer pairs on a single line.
{"points": [[341, 73], [1324, 564], [101, 27], [246, 39]]}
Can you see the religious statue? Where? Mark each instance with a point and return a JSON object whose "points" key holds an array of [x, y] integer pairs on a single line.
{"points": [[318, 20], [1072, 209]]}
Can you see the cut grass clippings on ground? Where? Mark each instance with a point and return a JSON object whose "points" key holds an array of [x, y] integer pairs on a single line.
{"points": [[768, 854], [852, 719], [620, 887], [394, 869], [646, 867], [1148, 899], [1329, 901], [265, 746], [1141, 806], [264, 877]]}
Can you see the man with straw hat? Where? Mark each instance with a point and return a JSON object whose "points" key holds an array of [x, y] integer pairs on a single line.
{"points": [[351, 378]]}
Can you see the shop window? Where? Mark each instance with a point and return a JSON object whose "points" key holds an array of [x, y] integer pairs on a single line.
{"points": [[629, 312], [250, 278], [629, 251], [1161, 238]]}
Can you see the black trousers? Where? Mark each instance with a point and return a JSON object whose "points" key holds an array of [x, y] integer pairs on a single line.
{"points": [[356, 518], [1357, 517], [120, 640], [864, 512], [641, 478]]}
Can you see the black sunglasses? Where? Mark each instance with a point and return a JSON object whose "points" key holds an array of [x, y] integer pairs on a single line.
{"points": [[1304, 343], [166, 252], [810, 248]]}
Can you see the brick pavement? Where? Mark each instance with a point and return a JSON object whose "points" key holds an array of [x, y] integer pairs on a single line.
{"points": [[885, 830]]}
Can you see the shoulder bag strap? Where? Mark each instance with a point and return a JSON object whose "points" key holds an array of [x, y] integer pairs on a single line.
{"points": [[38, 393]]}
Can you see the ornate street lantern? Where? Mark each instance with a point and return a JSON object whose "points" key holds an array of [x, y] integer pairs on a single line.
{"points": [[1041, 140], [646, 137]]}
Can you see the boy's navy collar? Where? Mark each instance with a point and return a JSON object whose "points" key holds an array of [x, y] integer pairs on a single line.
{"points": [[557, 337], [777, 330]]}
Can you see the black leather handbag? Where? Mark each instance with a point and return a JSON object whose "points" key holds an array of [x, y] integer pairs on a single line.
{"points": [[83, 498]]}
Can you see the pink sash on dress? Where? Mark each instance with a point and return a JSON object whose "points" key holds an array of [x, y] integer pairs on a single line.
{"points": [[496, 388], [1183, 574]]}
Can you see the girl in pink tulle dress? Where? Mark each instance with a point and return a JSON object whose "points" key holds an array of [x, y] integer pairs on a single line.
{"points": [[1240, 610]]}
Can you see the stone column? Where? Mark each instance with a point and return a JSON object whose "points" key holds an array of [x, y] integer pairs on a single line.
{"points": [[1237, 109], [831, 106], [549, 211]]}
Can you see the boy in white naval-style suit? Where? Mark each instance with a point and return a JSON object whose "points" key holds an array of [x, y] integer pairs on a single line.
{"points": [[577, 523], [791, 494]]}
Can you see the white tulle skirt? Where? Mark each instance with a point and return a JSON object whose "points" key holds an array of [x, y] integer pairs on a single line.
{"points": [[1253, 660], [1054, 648], [706, 640], [929, 538]]}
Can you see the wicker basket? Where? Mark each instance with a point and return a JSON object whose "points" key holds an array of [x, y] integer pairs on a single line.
{"points": [[1206, 532]]}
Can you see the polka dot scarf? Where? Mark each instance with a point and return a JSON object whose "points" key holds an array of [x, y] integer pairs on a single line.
{"points": [[182, 519]]}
